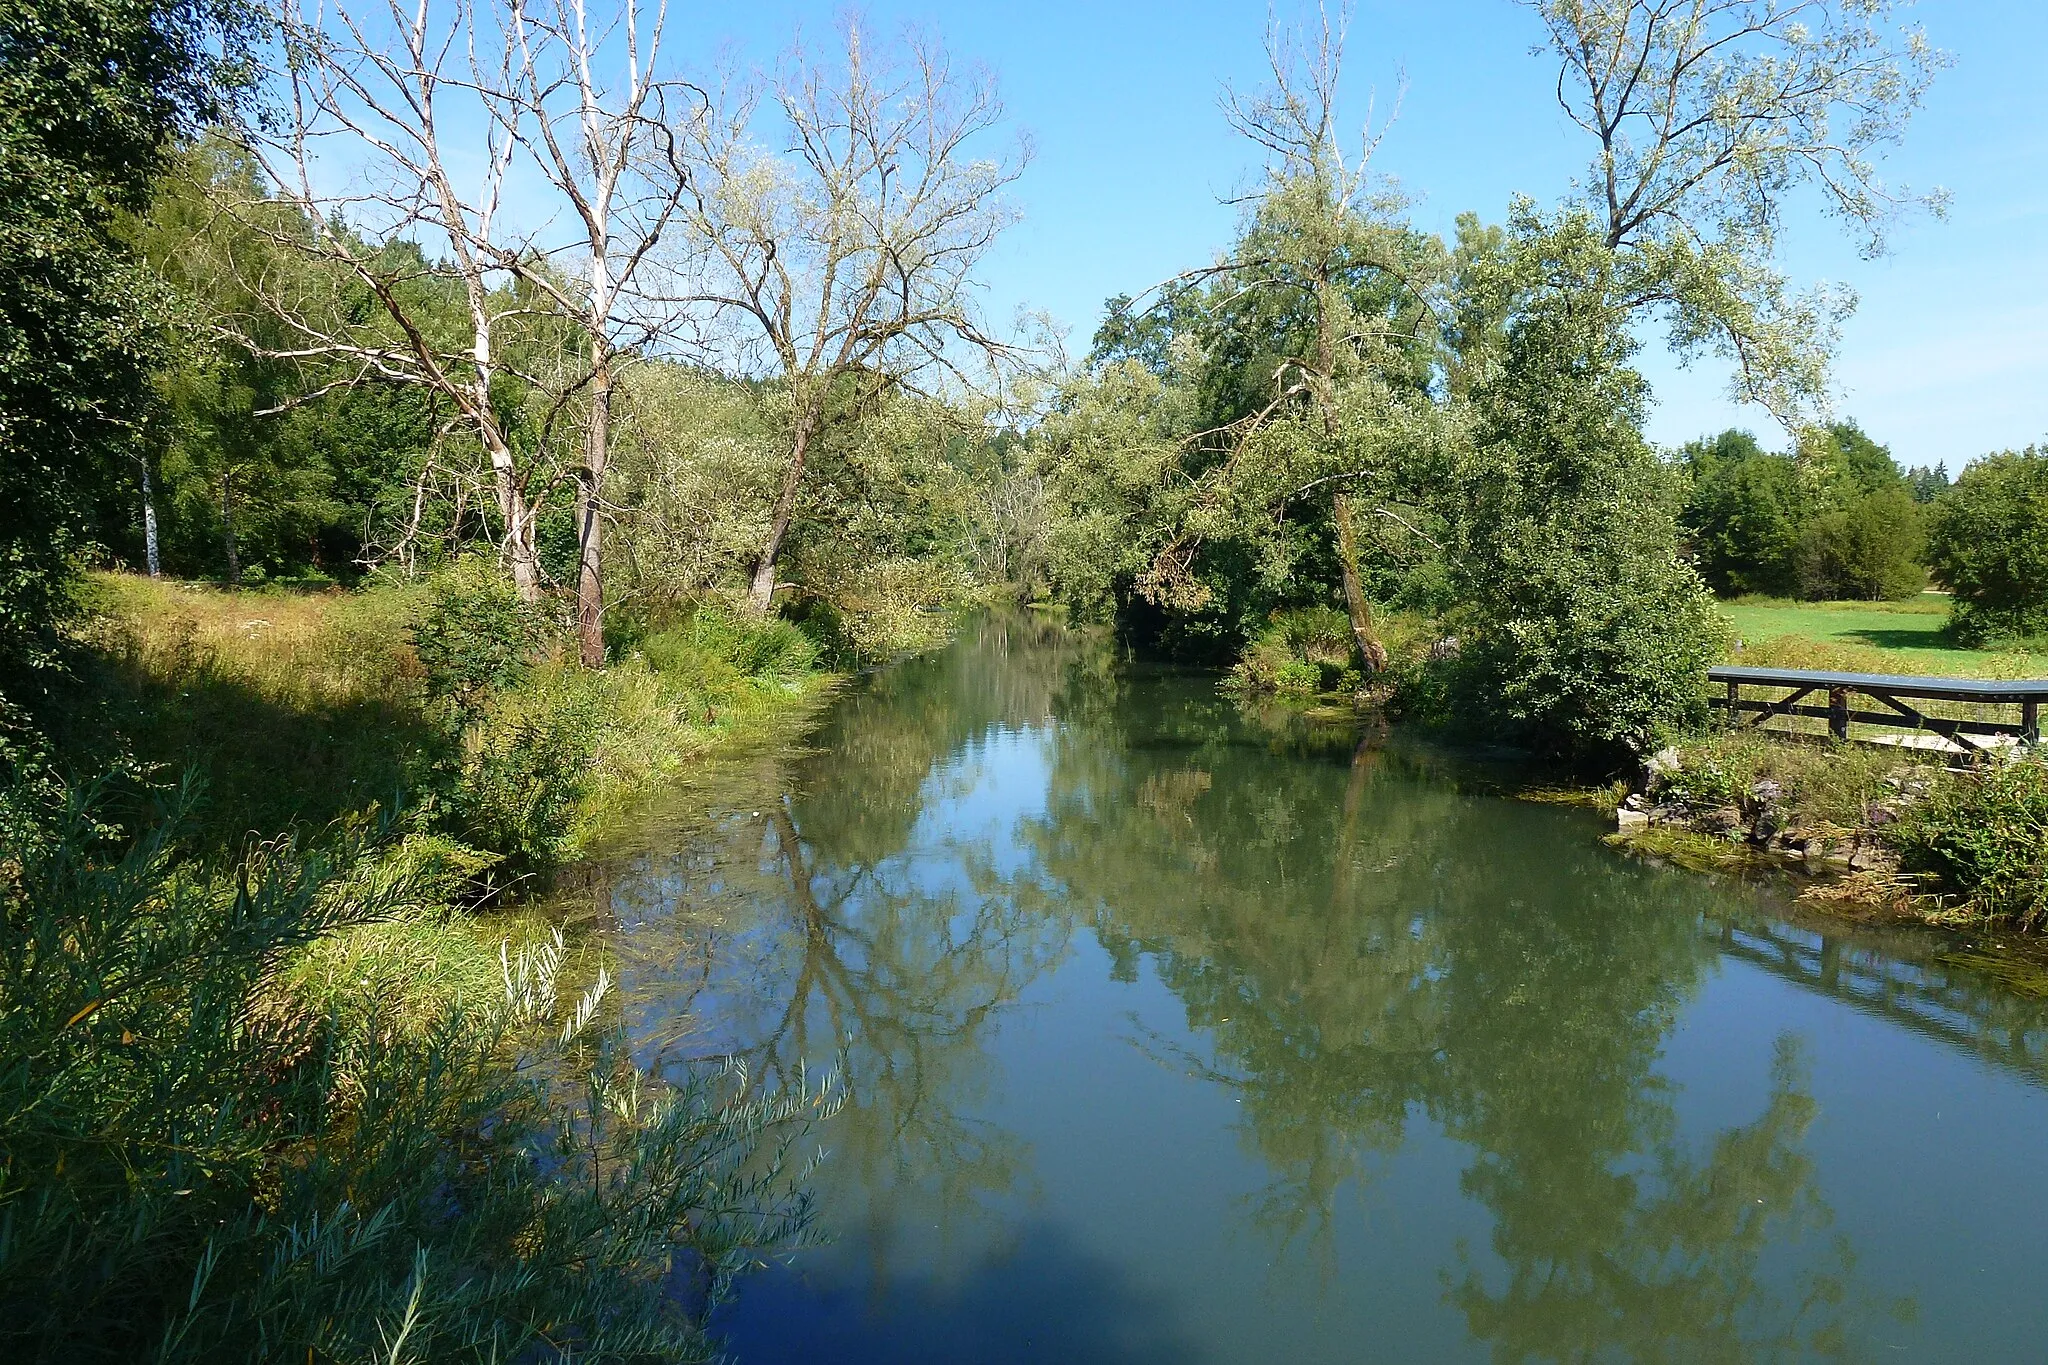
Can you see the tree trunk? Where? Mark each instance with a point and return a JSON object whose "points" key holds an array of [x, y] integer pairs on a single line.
{"points": [[761, 595], [590, 520], [1372, 655], [520, 557], [149, 552], [227, 530]]}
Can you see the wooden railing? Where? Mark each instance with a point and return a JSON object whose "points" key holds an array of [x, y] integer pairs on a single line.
{"points": [[1843, 690]]}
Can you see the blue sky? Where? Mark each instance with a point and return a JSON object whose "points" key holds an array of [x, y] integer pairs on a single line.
{"points": [[1946, 358]]}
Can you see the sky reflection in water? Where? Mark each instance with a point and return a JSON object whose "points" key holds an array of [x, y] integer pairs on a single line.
{"points": [[1179, 1033]]}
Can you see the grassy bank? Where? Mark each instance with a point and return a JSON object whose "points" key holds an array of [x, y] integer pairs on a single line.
{"points": [[1868, 637], [289, 1074], [298, 708]]}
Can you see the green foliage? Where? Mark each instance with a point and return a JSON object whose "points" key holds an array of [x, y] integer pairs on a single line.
{"points": [[474, 633], [1742, 516], [1698, 783], [1928, 482], [200, 1162], [1837, 521], [91, 92], [1988, 543], [1300, 653], [1983, 839], [528, 765], [1868, 550], [1582, 629], [772, 649]]}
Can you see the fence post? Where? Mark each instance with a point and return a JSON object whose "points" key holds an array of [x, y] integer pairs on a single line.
{"points": [[1838, 712], [2030, 721], [1734, 703]]}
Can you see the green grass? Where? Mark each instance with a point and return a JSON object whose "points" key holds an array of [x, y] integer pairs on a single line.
{"points": [[1869, 637]]}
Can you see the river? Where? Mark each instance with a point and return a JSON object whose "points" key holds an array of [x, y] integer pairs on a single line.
{"points": [[1180, 1032]]}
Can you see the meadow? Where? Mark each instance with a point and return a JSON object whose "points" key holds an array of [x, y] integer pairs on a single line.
{"points": [[1907, 637]]}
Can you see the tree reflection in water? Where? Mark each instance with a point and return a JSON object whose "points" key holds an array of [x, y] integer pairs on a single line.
{"points": [[1358, 946]]}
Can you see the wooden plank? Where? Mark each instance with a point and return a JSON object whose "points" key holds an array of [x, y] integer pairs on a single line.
{"points": [[1937, 688], [1969, 727]]}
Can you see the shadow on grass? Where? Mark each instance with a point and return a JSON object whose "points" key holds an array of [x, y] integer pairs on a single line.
{"points": [[268, 766], [1907, 639]]}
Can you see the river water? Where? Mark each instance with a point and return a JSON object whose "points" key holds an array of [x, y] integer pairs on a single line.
{"points": [[1179, 1033]]}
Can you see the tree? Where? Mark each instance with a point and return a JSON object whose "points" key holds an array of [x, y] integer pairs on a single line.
{"points": [[1588, 634], [846, 269], [1867, 550], [1707, 115], [609, 152], [1310, 349], [1742, 515], [1988, 543], [1928, 482], [386, 88], [92, 93], [1835, 520]]}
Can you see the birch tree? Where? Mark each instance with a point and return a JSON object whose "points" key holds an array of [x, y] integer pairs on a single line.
{"points": [[607, 152], [391, 147], [844, 266]]}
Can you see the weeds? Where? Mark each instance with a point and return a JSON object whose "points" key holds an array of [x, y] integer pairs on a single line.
{"points": [[208, 1152], [1983, 840]]}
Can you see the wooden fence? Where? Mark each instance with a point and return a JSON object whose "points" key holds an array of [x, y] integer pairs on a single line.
{"points": [[1965, 714]]}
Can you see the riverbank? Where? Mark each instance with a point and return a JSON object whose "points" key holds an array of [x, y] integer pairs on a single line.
{"points": [[280, 1009]]}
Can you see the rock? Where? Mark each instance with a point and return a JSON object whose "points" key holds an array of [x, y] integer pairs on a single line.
{"points": [[1446, 649], [1664, 762], [1626, 819], [1880, 815], [1766, 793], [1634, 801], [1718, 820]]}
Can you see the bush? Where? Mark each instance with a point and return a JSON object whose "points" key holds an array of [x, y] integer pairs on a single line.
{"points": [[772, 649], [1984, 840], [526, 767], [200, 1162], [1866, 551], [1988, 543], [475, 633], [1301, 653]]}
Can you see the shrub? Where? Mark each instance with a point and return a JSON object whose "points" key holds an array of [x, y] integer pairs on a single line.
{"points": [[1866, 551], [475, 633], [526, 767], [1300, 652], [712, 634], [198, 1162], [1984, 840], [1988, 543]]}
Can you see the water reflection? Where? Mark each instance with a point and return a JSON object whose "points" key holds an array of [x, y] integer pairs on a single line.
{"points": [[1376, 968]]}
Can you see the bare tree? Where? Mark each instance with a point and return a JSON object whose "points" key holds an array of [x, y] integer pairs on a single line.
{"points": [[845, 266], [388, 140], [608, 152]]}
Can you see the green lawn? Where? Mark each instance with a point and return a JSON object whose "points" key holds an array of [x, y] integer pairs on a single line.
{"points": [[1869, 637]]}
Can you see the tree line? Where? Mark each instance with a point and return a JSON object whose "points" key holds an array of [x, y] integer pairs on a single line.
{"points": [[370, 287]]}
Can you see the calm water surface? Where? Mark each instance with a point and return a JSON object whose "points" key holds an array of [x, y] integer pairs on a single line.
{"points": [[1175, 1033]]}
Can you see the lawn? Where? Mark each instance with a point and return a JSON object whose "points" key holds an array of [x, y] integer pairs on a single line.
{"points": [[1867, 637]]}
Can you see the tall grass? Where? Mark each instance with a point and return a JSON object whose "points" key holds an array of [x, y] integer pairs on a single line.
{"points": [[302, 708], [215, 1147]]}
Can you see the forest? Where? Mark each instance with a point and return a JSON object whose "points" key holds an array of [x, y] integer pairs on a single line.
{"points": [[426, 430]]}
